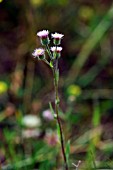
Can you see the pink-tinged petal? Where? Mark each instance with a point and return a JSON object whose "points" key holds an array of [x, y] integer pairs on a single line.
{"points": [[38, 52], [43, 33], [57, 35], [57, 49], [53, 49], [48, 115]]}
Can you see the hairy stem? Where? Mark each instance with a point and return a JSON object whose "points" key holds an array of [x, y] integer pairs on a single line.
{"points": [[46, 62], [55, 69], [48, 51]]}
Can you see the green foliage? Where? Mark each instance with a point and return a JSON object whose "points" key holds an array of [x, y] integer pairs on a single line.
{"points": [[58, 131], [52, 110], [68, 150], [96, 115], [51, 64]]}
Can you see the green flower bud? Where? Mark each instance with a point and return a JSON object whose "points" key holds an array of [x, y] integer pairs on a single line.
{"points": [[56, 41], [45, 41]]}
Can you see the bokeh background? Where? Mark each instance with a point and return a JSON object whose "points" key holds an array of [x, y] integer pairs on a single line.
{"points": [[28, 134]]}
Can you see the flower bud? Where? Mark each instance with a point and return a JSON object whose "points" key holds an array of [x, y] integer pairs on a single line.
{"points": [[44, 41], [57, 41], [56, 52]]}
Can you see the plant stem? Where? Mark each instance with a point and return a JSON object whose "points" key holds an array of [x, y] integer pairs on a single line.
{"points": [[55, 70], [46, 62], [49, 52]]}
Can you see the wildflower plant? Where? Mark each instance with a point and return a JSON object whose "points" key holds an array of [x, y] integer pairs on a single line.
{"points": [[54, 55]]}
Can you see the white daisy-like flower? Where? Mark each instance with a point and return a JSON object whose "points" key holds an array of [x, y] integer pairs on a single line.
{"points": [[31, 121], [38, 52], [56, 49], [57, 35], [43, 34]]}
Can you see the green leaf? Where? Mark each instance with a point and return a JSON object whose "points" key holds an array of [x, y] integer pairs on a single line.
{"points": [[52, 111], [58, 131], [68, 150], [96, 114], [51, 64]]}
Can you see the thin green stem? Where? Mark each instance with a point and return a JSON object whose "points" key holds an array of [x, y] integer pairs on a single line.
{"points": [[46, 62], [55, 74], [49, 52], [55, 69]]}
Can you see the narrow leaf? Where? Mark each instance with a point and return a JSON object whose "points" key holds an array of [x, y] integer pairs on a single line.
{"points": [[58, 131], [51, 64], [52, 110], [68, 150]]}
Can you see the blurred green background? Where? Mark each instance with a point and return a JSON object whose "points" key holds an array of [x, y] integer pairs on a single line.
{"points": [[28, 137]]}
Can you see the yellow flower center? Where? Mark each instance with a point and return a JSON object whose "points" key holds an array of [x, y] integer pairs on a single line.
{"points": [[56, 34], [39, 51]]}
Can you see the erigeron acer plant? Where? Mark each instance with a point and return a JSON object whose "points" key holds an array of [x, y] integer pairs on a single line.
{"points": [[54, 54]]}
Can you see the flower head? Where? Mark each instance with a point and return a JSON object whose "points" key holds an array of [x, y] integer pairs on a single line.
{"points": [[31, 132], [57, 35], [48, 115], [57, 38], [56, 49], [43, 34], [39, 52], [31, 121], [44, 37], [51, 138]]}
